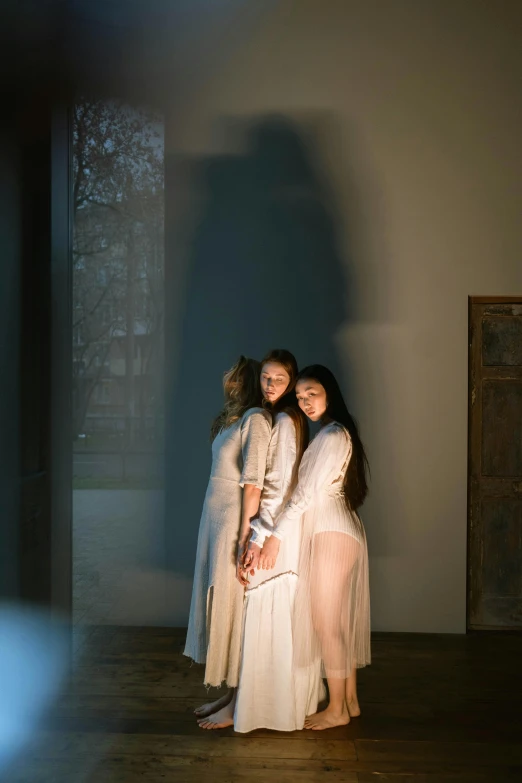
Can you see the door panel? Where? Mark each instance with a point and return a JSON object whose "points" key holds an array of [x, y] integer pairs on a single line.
{"points": [[502, 341], [495, 465], [502, 565], [501, 420]]}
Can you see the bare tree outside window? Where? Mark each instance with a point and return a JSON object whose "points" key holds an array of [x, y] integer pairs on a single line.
{"points": [[118, 348], [118, 272]]}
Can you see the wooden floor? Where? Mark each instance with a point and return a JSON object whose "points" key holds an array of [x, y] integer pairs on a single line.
{"points": [[435, 708]]}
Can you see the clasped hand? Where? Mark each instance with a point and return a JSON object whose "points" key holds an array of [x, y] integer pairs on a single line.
{"points": [[253, 557], [241, 571], [269, 553]]}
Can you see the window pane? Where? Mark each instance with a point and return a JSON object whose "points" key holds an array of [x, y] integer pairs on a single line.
{"points": [[118, 338]]}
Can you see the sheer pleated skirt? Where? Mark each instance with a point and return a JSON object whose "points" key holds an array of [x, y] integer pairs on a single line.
{"points": [[331, 621]]}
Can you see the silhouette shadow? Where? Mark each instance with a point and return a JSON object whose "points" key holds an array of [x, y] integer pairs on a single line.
{"points": [[264, 270]]}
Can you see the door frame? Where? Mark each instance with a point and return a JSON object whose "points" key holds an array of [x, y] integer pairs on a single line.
{"points": [[61, 363]]}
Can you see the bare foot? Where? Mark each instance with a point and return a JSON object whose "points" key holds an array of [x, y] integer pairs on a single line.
{"points": [[327, 719], [213, 706], [219, 720], [353, 708]]}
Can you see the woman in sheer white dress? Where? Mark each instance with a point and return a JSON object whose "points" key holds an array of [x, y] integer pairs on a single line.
{"points": [[240, 439], [331, 620], [270, 695]]}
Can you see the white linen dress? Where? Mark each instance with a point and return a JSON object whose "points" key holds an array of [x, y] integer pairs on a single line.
{"points": [[270, 694], [332, 605], [239, 455]]}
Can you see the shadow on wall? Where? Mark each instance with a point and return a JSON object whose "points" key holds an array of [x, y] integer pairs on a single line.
{"points": [[264, 271]]}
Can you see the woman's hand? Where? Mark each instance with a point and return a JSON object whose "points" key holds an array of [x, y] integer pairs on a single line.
{"points": [[241, 574], [251, 558], [269, 553], [241, 549]]}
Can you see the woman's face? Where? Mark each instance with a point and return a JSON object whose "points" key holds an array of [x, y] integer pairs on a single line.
{"points": [[311, 396], [274, 381]]}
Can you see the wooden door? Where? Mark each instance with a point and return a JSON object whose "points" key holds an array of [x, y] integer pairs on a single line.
{"points": [[495, 463]]}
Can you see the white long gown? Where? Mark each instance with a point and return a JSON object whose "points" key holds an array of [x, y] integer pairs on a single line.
{"points": [[332, 603], [270, 694], [239, 455]]}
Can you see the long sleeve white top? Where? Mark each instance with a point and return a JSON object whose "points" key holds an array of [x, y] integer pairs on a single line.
{"points": [[280, 466], [321, 474]]}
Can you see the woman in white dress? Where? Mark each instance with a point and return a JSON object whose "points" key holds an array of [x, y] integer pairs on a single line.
{"points": [[269, 694], [331, 620], [240, 438]]}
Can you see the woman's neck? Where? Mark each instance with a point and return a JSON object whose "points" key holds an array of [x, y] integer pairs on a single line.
{"points": [[326, 419]]}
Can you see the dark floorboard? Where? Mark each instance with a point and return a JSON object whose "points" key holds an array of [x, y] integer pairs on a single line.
{"points": [[436, 709]]}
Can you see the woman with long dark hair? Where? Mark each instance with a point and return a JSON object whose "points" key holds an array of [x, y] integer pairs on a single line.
{"points": [[240, 439], [270, 695], [331, 621]]}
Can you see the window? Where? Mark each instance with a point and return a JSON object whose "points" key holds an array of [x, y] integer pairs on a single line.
{"points": [[118, 254], [118, 285]]}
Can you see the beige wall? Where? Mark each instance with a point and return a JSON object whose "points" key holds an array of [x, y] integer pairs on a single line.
{"points": [[418, 112]]}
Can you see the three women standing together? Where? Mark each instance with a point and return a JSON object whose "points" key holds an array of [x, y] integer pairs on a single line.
{"points": [[281, 593]]}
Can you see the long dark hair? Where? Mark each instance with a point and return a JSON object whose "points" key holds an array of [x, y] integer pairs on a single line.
{"points": [[355, 482], [242, 391], [287, 403]]}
